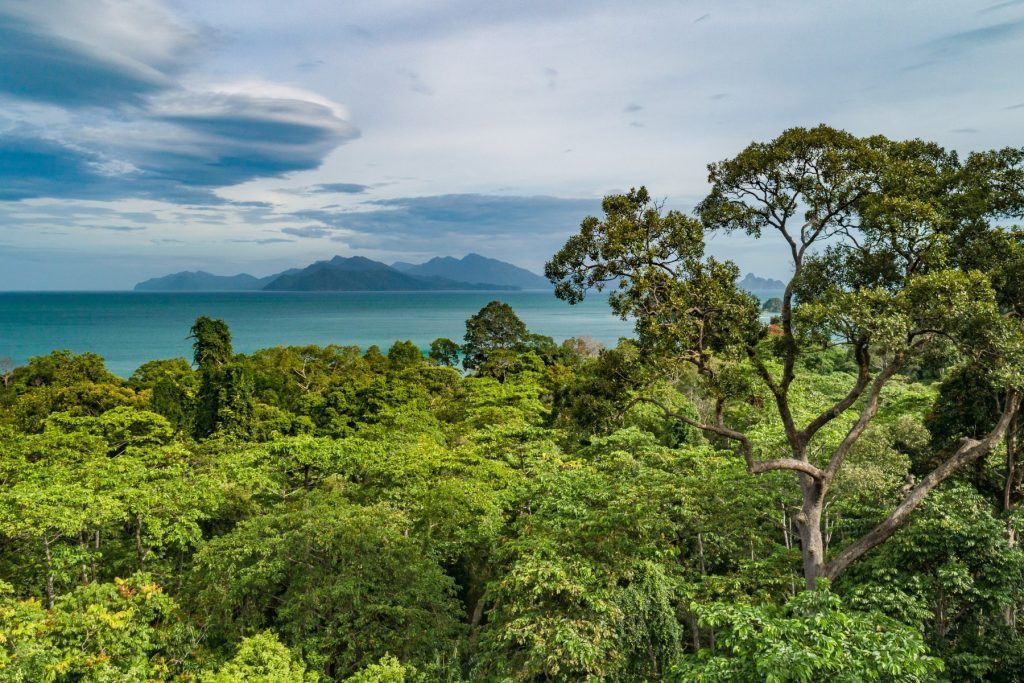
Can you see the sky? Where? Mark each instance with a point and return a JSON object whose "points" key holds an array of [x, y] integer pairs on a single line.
{"points": [[142, 137]]}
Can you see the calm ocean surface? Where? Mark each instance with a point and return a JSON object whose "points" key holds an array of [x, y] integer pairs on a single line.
{"points": [[129, 328]]}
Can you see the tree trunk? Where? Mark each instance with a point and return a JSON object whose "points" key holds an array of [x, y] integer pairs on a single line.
{"points": [[49, 573], [811, 542], [140, 553]]}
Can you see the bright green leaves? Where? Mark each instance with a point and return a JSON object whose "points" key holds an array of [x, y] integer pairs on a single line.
{"points": [[120, 631], [261, 659], [812, 638]]}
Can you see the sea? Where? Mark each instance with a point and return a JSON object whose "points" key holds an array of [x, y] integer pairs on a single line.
{"points": [[130, 328]]}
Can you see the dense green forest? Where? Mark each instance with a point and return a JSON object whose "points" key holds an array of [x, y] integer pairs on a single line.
{"points": [[826, 487]]}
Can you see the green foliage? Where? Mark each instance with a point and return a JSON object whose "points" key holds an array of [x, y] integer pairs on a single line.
{"points": [[212, 342], [261, 659], [121, 631], [404, 354], [387, 670], [444, 352], [343, 583], [496, 327], [813, 637]]}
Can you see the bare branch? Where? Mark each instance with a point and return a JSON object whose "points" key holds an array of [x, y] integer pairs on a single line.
{"points": [[837, 409]]}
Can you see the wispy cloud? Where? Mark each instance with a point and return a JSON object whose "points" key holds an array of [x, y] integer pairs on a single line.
{"points": [[309, 231], [268, 240], [963, 41], [339, 188], [1000, 6]]}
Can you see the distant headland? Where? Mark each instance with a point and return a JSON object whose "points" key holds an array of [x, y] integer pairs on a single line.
{"points": [[360, 274]]}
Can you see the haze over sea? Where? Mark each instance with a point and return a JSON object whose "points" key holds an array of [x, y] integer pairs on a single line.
{"points": [[129, 328]]}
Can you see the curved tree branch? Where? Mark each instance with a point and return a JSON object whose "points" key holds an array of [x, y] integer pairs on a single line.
{"points": [[753, 466], [969, 451], [841, 406]]}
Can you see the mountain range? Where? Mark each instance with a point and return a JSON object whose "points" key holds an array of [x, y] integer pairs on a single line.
{"points": [[360, 274], [475, 268]]}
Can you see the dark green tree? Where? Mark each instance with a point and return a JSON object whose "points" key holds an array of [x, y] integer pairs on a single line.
{"points": [[224, 401], [404, 354], [495, 327], [444, 351]]}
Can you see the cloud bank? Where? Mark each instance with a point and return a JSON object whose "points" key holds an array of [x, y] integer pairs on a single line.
{"points": [[108, 117]]}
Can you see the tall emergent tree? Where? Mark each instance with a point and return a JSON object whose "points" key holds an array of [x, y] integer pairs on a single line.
{"points": [[211, 343], [869, 227], [224, 399], [495, 327]]}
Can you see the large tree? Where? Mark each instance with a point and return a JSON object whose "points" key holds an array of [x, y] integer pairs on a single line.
{"points": [[867, 226], [495, 327]]}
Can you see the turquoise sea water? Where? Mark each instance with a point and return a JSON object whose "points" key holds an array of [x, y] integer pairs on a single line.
{"points": [[129, 328]]}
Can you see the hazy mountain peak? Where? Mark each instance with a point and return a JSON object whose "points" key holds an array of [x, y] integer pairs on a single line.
{"points": [[754, 283], [476, 268]]}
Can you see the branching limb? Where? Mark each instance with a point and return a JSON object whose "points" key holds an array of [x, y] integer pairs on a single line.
{"points": [[969, 451], [842, 405], [866, 415], [753, 466]]}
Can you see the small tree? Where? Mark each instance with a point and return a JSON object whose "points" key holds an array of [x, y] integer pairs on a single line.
{"points": [[404, 354], [6, 368]]}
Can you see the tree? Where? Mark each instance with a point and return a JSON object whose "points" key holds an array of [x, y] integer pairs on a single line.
{"points": [[494, 327], [883, 288], [404, 354], [261, 659], [444, 351], [224, 400], [212, 342], [120, 631], [342, 583], [6, 369]]}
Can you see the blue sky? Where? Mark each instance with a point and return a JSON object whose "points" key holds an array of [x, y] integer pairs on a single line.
{"points": [[141, 137]]}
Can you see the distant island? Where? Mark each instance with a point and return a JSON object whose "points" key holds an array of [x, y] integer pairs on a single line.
{"points": [[360, 274], [762, 287], [472, 272]]}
